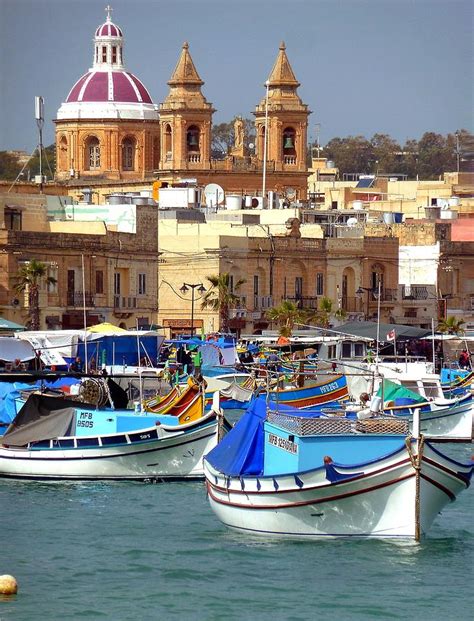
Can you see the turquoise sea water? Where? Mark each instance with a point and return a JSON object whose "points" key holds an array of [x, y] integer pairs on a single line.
{"points": [[130, 551]]}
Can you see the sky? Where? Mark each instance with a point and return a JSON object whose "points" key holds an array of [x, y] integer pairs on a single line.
{"points": [[399, 67]]}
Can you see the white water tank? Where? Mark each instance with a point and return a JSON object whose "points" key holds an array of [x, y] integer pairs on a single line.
{"points": [[329, 164], [248, 202], [453, 201], [357, 205], [233, 202], [448, 214]]}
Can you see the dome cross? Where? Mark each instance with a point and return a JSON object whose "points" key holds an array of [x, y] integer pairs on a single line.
{"points": [[108, 10]]}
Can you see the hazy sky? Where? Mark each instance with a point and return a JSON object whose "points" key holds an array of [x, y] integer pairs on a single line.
{"points": [[400, 67]]}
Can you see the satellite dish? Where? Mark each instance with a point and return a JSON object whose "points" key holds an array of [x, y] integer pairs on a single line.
{"points": [[351, 221], [290, 193], [214, 194], [251, 145]]}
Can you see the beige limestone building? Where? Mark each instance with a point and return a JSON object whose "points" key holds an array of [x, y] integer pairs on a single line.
{"points": [[102, 271]]}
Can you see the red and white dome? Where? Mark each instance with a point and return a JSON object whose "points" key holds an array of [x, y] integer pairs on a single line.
{"points": [[108, 90], [108, 29], [117, 86]]}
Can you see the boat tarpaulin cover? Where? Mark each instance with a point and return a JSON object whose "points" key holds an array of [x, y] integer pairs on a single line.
{"points": [[396, 392], [241, 450], [41, 418], [368, 329]]}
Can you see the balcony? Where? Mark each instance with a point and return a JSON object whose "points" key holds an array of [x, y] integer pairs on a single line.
{"points": [[124, 302], [414, 292], [303, 302], [387, 295], [262, 302], [289, 160], [79, 299]]}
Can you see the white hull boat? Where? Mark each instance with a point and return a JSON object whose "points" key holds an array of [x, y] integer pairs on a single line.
{"points": [[93, 444], [354, 481]]}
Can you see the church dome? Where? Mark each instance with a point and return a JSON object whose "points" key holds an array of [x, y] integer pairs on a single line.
{"points": [[108, 29], [108, 90], [114, 86]]}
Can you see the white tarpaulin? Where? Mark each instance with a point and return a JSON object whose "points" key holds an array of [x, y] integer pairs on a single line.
{"points": [[12, 349]]}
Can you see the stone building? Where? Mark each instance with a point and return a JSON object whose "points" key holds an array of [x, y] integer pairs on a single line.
{"points": [[277, 260], [107, 274]]}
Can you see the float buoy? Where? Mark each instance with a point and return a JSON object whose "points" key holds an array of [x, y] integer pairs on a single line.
{"points": [[8, 585]]}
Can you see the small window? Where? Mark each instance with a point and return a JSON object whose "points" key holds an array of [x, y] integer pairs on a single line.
{"points": [[346, 349], [141, 284], [114, 53], [104, 54], [12, 219], [231, 283], [358, 350], [117, 283], [298, 287], [255, 285], [99, 281], [319, 283]]}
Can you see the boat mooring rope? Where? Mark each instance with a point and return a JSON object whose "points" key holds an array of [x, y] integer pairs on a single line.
{"points": [[416, 463]]}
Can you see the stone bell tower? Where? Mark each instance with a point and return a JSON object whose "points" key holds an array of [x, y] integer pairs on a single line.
{"points": [[185, 120], [287, 119]]}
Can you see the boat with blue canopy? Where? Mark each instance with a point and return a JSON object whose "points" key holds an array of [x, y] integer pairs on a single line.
{"points": [[283, 472]]}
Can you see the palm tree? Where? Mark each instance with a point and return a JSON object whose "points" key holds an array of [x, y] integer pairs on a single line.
{"points": [[221, 297], [451, 325], [322, 315], [287, 314], [29, 277]]}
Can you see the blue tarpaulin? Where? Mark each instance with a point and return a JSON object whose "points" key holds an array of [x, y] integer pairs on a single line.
{"points": [[241, 451]]}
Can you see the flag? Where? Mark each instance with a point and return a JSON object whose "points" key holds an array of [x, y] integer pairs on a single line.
{"points": [[391, 335]]}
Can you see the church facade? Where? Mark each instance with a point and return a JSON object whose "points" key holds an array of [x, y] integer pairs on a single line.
{"points": [[110, 130]]}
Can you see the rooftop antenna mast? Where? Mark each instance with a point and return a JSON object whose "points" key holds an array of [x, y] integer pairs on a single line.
{"points": [[39, 116], [318, 130]]}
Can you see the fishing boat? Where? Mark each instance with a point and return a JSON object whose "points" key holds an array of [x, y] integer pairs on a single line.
{"points": [[456, 381], [448, 419], [59, 439], [331, 388], [285, 473]]}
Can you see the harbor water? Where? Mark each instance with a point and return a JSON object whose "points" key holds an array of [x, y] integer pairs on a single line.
{"points": [[132, 551]]}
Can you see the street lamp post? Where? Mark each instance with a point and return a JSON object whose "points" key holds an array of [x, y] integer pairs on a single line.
{"points": [[184, 289]]}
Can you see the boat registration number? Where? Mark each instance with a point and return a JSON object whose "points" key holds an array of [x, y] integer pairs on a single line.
{"points": [[283, 443], [329, 388]]}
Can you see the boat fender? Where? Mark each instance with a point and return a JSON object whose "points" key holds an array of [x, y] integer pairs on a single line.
{"points": [[157, 423]]}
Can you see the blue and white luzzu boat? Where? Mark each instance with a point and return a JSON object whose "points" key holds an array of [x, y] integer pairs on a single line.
{"points": [[58, 439], [287, 473]]}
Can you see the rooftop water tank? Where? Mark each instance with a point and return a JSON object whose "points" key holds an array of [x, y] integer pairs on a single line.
{"points": [[357, 205], [453, 201], [233, 202]]}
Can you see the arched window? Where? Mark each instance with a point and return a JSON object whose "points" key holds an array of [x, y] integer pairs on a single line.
{"points": [[128, 154], [168, 146], [62, 154], [377, 277], [192, 138], [92, 153], [288, 145], [192, 143]]}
